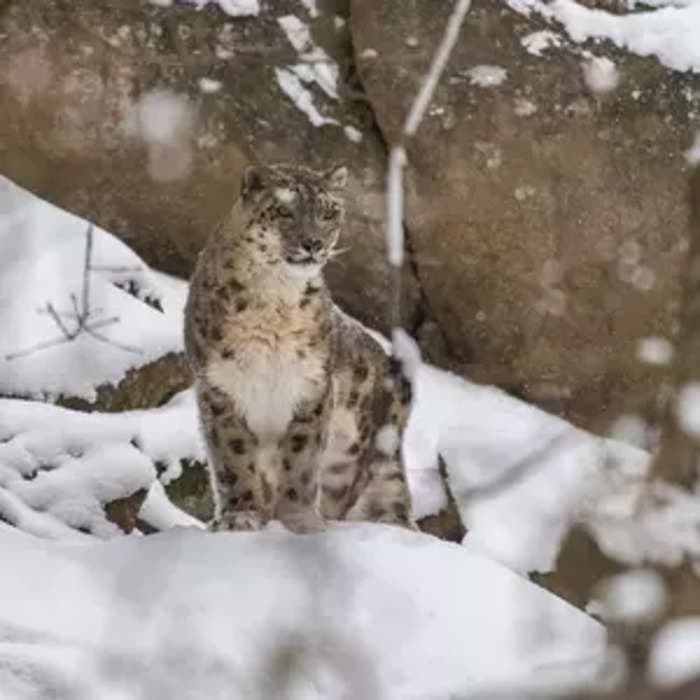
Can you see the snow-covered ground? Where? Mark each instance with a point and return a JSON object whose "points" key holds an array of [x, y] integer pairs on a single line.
{"points": [[670, 31], [42, 254], [358, 611], [363, 611], [57, 466]]}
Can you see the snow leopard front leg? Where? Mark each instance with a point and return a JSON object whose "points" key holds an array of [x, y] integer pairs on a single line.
{"points": [[237, 490], [298, 497]]}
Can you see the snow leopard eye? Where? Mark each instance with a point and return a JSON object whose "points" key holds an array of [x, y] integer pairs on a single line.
{"points": [[330, 214], [285, 213]]}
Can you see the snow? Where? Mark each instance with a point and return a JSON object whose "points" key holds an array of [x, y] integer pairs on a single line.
{"points": [[301, 97], [407, 352], [161, 117], [486, 75], [524, 107], [671, 33], [59, 467], [537, 42], [632, 429], [43, 251], [657, 523], [160, 513], [692, 155], [369, 54], [637, 596], [352, 134], [655, 350], [314, 68], [394, 208], [388, 440], [209, 85], [163, 121], [688, 408], [362, 611], [600, 75], [234, 8], [521, 477], [675, 654]]}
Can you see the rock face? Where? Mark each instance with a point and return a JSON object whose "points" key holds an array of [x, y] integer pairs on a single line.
{"points": [[141, 118], [547, 222], [145, 387]]}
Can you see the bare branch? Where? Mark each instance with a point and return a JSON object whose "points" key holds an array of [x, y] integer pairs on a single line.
{"points": [[116, 268], [86, 274], [520, 469], [82, 314], [442, 55], [397, 156], [109, 341], [54, 315], [37, 347]]}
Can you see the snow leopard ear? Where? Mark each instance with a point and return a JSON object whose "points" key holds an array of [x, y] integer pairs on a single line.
{"points": [[255, 180], [337, 178]]}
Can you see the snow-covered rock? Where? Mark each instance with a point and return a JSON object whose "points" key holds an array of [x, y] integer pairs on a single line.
{"points": [[362, 611], [59, 468], [44, 291]]}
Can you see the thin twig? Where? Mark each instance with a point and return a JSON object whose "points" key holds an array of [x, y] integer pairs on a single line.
{"points": [[518, 471], [86, 274], [82, 314], [109, 341], [397, 156], [57, 319], [116, 268], [39, 346]]}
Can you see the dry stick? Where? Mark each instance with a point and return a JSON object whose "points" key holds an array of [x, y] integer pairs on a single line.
{"points": [[397, 158], [81, 315], [397, 163], [86, 275], [677, 458], [518, 472]]}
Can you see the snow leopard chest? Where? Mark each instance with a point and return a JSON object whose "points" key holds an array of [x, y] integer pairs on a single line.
{"points": [[269, 384]]}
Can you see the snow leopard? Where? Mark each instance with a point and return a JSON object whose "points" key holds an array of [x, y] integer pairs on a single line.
{"points": [[301, 409]]}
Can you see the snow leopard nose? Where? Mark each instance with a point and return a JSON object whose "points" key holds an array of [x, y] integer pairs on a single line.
{"points": [[312, 245]]}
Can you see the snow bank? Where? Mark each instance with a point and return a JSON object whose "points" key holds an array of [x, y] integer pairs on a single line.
{"points": [[59, 467], [234, 8], [671, 33], [42, 249], [675, 654], [521, 477], [363, 611]]}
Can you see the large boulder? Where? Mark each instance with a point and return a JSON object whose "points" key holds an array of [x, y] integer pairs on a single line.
{"points": [[150, 385], [141, 117], [546, 219]]}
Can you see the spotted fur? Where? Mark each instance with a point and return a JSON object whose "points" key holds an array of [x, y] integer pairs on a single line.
{"points": [[295, 398]]}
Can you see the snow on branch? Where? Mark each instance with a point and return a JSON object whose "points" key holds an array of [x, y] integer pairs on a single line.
{"points": [[81, 319], [397, 154]]}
